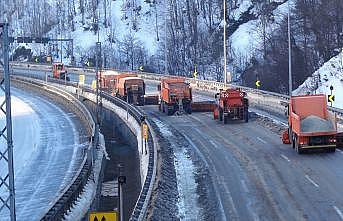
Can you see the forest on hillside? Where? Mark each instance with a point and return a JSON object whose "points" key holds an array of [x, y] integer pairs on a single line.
{"points": [[194, 30]]}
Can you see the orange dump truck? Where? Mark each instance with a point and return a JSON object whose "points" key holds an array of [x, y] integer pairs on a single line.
{"points": [[175, 96], [231, 104], [311, 126], [127, 86], [59, 71], [131, 89]]}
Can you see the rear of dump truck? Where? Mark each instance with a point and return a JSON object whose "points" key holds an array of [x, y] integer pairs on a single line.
{"points": [[175, 96], [131, 89], [231, 104], [311, 126]]}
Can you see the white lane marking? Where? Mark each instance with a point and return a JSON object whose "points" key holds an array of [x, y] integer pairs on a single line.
{"points": [[311, 181], [286, 158], [339, 151], [260, 139], [339, 212]]}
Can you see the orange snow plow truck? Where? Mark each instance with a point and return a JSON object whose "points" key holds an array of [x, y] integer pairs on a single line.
{"points": [[59, 71], [126, 86], [231, 104], [311, 126], [175, 96]]}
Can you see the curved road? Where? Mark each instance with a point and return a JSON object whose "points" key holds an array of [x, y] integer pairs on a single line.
{"points": [[257, 177], [47, 152]]}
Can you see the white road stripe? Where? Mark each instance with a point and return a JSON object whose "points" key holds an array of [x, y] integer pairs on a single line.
{"points": [[286, 158], [339, 212], [339, 151], [260, 139], [311, 181]]}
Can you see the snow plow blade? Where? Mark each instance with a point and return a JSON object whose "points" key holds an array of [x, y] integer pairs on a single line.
{"points": [[204, 106], [151, 99]]}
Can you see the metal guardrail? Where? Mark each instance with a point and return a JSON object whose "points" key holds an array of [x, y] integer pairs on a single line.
{"points": [[142, 203], [70, 193]]}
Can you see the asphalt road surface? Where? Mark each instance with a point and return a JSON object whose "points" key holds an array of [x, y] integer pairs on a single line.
{"points": [[256, 176]]}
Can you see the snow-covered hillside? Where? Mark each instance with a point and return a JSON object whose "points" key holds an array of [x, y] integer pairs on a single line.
{"points": [[330, 74]]}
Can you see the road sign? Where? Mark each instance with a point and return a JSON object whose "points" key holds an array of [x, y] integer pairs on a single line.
{"points": [[82, 79], [195, 74], [331, 98], [87, 63], [94, 84], [258, 83], [141, 68], [103, 216], [36, 60], [145, 131], [48, 59]]}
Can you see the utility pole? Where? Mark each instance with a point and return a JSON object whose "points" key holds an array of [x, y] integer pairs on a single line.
{"points": [[165, 37], [6, 154], [289, 51], [225, 58]]}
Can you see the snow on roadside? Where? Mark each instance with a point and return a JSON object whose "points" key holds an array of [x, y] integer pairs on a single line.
{"points": [[84, 202], [186, 185], [330, 74], [26, 130]]}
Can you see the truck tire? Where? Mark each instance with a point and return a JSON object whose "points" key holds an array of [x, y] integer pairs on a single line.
{"points": [[298, 149], [246, 115], [225, 119], [169, 111], [189, 108], [292, 138], [163, 107], [220, 114]]}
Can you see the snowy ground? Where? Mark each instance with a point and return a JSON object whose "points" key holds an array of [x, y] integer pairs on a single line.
{"points": [[330, 74], [187, 196], [46, 153]]}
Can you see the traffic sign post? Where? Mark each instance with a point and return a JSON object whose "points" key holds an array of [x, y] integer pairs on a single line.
{"points": [[195, 74], [82, 79], [258, 84], [331, 97], [103, 216], [145, 136]]}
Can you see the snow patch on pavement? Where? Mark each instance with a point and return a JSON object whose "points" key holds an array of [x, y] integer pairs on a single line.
{"points": [[186, 185]]}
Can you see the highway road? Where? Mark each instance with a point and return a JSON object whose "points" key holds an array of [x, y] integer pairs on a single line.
{"points": [[48, 146], [255, 176]]}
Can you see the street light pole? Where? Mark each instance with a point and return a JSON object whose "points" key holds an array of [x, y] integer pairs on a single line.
{"points": [[289, 51], [225, 58], [165, 38]]}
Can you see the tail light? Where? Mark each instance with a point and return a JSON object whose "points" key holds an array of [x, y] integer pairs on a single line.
{"points": [[332, 140]]}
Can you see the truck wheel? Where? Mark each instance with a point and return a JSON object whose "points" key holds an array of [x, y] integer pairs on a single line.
{"points": [[298, 149], [246, 115], [220, 115], [169, 111], [333, 149], [293, 139], [225, 119], [189, 109], [163, 107]]}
